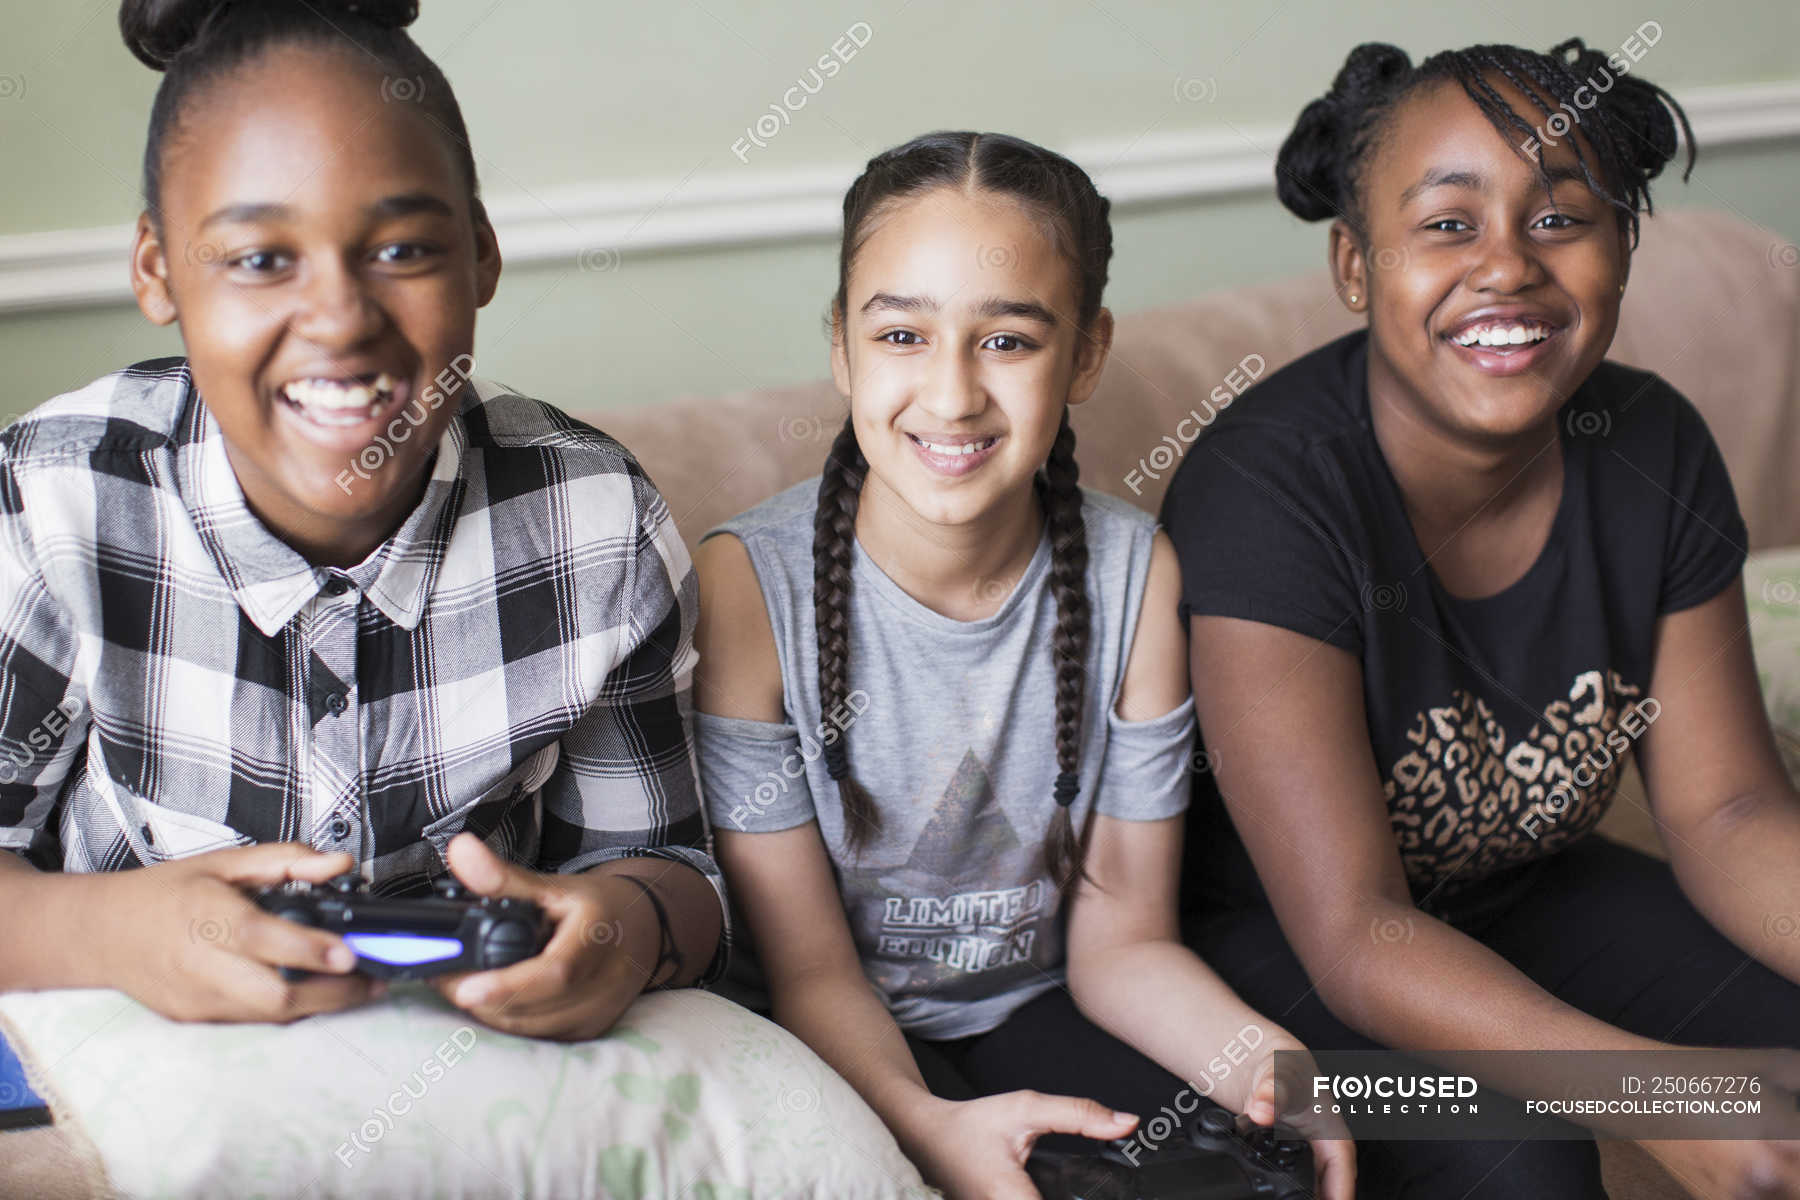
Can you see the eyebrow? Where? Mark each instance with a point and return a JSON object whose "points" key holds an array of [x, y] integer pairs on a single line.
{"points": [[993, 306], [404, 204], [1475, 181]]}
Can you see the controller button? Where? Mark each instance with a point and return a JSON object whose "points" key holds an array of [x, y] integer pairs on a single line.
{"points": [[1216, 1121], [348, 882], [448, 888], [508, 939]]}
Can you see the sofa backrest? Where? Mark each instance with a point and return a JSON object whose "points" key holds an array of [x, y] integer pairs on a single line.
{"points": [[1713, 306]]}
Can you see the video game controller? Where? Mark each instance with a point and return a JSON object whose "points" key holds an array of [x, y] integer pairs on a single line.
{"points": [[407, 938], [1217, 1156]]}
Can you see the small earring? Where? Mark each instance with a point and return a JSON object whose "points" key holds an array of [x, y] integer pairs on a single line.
{"points": [[1352, 297], [1621, 289]]}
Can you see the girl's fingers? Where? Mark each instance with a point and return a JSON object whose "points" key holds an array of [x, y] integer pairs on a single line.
{"points": [[1261, 1107], [1336, 1163], [277, 941], [1073, 1114], [271, 863]]}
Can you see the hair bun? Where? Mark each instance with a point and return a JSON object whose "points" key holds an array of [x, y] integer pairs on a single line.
{"points": [[1309, 170], [156, 31], [1369, 72]]}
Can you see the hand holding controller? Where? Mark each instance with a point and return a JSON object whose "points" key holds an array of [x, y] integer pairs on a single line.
{"points": [[1220, 1156], [413, 938]]}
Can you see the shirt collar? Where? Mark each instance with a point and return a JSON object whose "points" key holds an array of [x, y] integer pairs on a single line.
{"points": [[271, 581]]}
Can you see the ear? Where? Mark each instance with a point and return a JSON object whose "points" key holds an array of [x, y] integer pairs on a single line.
{"points": [[840, 353], [1349, 266], [487, 256], [1624, 257], [1091, 348], [150, 274]]}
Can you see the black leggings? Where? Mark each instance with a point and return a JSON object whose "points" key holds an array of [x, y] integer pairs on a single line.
{"points": [[1603, 927]]}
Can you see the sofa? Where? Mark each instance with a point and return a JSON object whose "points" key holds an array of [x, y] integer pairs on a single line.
{"points": [[1713, 305]]}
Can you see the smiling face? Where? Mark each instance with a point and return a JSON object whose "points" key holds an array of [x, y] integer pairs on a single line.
{"points": [[325, 257], [1489, 301], [959, 350]]}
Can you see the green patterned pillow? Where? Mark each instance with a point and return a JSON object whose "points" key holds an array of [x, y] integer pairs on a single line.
{"points": [[689, 1096]]}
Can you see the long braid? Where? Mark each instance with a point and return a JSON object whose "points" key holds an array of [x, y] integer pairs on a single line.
{"points": [[1063, 852], [834, 541]]}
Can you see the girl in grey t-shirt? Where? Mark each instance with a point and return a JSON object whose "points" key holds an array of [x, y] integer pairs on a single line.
{"points": [[943, 721]]}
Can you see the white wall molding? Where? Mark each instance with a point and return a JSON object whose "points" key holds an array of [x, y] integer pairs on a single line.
{"points": [[595, 226]]}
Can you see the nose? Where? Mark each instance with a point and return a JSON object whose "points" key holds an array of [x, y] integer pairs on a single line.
{"points": [[952, 390], [1506, 261], [334, 310]]}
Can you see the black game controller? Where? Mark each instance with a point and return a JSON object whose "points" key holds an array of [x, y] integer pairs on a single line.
{"points": [[397, 938], [1216, 1156]]}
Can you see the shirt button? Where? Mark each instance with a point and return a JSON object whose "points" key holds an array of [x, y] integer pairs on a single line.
{"points": [[340, 829], [334, 703], [337, 585]]}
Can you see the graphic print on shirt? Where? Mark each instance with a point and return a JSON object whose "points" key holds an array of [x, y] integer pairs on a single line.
{"points": [[1461, 802], [941, 917]]}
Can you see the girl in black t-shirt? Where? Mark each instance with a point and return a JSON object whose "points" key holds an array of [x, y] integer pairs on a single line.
{"points": [[1443, 575]]}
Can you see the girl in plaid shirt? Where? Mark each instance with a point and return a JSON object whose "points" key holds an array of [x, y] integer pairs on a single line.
{"points": [[314, 598]]}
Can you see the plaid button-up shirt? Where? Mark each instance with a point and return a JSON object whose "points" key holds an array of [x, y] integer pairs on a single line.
{"points": [[514, 661]]}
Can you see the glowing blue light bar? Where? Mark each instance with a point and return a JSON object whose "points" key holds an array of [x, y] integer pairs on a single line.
{"points": [[403, 949]]}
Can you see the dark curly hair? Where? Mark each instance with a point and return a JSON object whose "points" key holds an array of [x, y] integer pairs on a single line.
{"points": [[1629, 124], [195, 42], [1061, 192]]}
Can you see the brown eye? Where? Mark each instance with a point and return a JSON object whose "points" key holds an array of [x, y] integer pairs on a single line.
{"points": [[1013, 340], [403, 252], [259, 262], [891, 334]]}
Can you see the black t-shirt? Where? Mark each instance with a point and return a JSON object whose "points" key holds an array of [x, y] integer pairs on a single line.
{"points": [[1498, 724]]}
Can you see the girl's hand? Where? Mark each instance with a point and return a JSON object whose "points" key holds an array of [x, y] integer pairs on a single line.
{"points": [[595, 964], [1334, 1153], [1715, 1170], [185, 939], [976, 1149]]}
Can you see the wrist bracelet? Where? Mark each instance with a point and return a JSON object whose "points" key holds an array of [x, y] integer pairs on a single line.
{"points": [[667, 950]]}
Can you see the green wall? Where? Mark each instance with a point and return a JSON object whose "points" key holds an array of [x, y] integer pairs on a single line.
{"points": [[566, 93]]}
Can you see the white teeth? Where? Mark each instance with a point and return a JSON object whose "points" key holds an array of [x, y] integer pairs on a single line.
{"points": [[340, 402], [1501, 335], [965, 448]]}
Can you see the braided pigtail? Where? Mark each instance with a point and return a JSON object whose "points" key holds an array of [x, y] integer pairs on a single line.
{"points": [[834, 540], [1064, 852]]}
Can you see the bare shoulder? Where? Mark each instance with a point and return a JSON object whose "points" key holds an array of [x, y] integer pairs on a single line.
{"points": [[740, 671], [1156, 675]]}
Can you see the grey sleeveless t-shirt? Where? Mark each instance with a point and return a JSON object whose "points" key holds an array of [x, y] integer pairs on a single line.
{"points": [[951, 727]]}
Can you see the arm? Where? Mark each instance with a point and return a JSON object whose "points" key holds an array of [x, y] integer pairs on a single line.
{"points": [[783, 882], [1285, 714], [1124, 933], [1728, 814], [624, 868]]}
